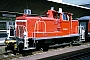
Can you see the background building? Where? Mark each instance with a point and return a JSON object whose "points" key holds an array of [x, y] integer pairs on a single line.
{"points": [[9, 9]]}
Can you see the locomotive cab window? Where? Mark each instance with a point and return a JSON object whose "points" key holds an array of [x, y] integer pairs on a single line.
{"points": [[56, 15], [65, 17]]}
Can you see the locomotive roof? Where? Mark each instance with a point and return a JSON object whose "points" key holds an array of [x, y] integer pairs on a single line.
{"points": [[84, 18]]}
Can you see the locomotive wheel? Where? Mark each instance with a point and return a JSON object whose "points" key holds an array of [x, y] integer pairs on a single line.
{"points": [[45, 47], [6, 49], [42, 46], [70, 44], [37, 46], [76, 41], [20, 48], [14, 52]]}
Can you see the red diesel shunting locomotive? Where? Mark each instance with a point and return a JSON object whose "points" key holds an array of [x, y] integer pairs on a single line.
{"points": [[55, 28]]}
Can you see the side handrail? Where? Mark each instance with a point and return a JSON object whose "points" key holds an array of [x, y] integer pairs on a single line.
{"points": [[36, 28]]}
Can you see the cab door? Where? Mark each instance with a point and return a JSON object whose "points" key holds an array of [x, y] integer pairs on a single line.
{"points": [[83, 30], [82, 33]]}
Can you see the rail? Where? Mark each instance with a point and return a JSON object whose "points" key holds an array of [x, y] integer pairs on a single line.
{"points": [[77, 56], [8, 56]]}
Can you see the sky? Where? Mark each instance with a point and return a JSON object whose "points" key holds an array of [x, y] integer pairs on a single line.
{"points": [[77, 2]]}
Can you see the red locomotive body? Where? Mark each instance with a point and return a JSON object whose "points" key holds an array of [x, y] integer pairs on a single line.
{"points": [[52, 26], [46, 27]]}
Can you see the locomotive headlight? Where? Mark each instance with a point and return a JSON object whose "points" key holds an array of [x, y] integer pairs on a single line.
{"points": [[15, 46], [6, 43]]}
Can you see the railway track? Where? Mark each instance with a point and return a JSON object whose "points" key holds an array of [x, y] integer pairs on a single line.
{"points": [[79, 56], [9, 55]]}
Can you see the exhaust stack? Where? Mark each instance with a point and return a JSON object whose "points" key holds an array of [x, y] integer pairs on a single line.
{"points": [[52, 8], [60, 10]]}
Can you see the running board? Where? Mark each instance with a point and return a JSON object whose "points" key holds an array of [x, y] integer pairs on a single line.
{"points": [[56, 45], [29, 48]]}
